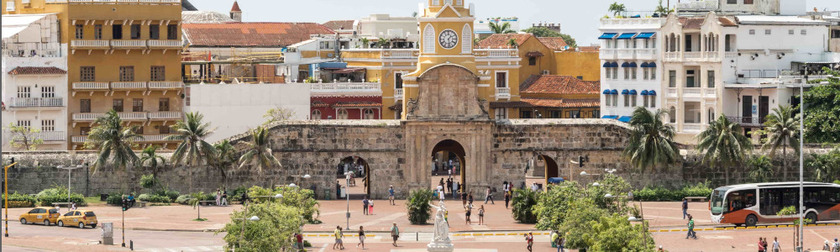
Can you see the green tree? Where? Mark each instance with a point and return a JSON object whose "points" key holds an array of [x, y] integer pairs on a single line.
{"points": [[24, 138], [651, 143], [365, 43], [542, 32], [512, 43], [616, 233], [723, 144], [503, 28], [272, 232], [782, 129], [418, 206], [761, 169], [259, 150], [224, 158], [617, 8], [383, 43], [662, 10], [826, 167], [195, 202], [114, 142], [277, 114], [149, 158], [192, 150], [522, 204], [822, 105], [301, 199]]}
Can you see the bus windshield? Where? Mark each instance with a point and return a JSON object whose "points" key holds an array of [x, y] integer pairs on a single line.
{"points": [[717, 200]]}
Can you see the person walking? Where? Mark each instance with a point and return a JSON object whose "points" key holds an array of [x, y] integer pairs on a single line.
{"points": [[218, 197], [555, 239], [395, 234], [463, 198], [391, 195], [441, 195], [361, 237], [827, 247], [507, 199], [481, 215], [299, 242], [224, 197], [760, 245], [470, 198], [685, 208], [454, 190], [365, 203], [691, 233], [836, 245], [370, 207], [467, 214], [776, 246], [489, 196], [338, 236], [764, 243], [449, 184], [529, 238]]}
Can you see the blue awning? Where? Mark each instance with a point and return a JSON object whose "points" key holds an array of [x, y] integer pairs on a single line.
{"points": [[633, 92], [615, 92], [624, 92], [632, 64], [626, 36], [609, 117], [607, 36], [607, 64], [651, 92], [644, 92], [644, 64], [651, 64], [645, 35], [555, 180], [624, 119], [614, 64], [606, 91], [625, 64]]}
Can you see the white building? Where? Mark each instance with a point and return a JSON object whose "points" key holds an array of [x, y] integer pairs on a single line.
{"points": [[482, 27], [631, 66], [386, 26], [741, 7], [232, 109], [34, 89]]}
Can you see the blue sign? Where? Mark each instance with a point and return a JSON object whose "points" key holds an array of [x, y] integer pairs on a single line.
{"points": [[755, 109]]}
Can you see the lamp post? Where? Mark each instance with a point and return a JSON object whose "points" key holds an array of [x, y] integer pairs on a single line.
{"points": [[347, 195], [801, 160], [245, 221], [69, 172]]}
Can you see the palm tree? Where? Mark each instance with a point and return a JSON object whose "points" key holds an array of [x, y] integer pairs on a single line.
{"points": [[114, 142], [512, 43], [503, 28], [723, 144], [365, 43], [383, 43], [617, 8], [782, 129], [651, 141], [192, 150], [259, 150], [224, 158], [152, 159], [662, 10]]}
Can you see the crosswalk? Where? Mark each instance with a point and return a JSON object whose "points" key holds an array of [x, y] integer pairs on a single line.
{"points": [[185, 249]]}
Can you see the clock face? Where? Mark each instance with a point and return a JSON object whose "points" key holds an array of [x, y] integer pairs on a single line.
{"points": [[448, 39]]}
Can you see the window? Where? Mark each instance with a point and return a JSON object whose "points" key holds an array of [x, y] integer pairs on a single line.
{"points": [[633, 72], [325, 45], [24, 92], [615, 73], [689, 79], [526, 114], [163, 129], [555, 114], [163, 104], [633, 101], [596, 113], [645, 98], [804, 32], [398, 81], [626, 100], [158, 73], [711, 79], [711, 115], [138, 130], [501, 113], [466, 36], [342, 114], [429, 39], [501, 79], [767, 32], [316, 115], [137, 105], [652, 101], [369, 114], [84, 105], [532, 61], [791, 32], [645, 73], [87, 73], [672, 78], [126, 73], [748, 1], [118, 105], [672, 115], [752, 31], [172, 32], [97, 32], [652, 72], [154, 32], [731, 1], [615, 100], [573, 114], [47, 125], [626, 73], [608, 72], [47, 92], [84, 131], [80, 31], [607, 100], [135, 31], [117, 31], [26, 124], [834, 33]]}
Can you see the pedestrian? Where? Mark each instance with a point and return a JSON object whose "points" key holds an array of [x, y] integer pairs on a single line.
{"points": [[555, 240], [827, 247], [391, 195], [361, 237], [660, 249], [481, 215], [507, 199], [72, 205], [218, 197], [441, 183], [455, 190], [562, 244], [370, 207], [338, 236], [534, 187], [691, 233], [365, 203], [760, 245], [395, 233], [776, 246], [469, 212], [224, 196], [489, 196], [470, 198], [299, 241], [441, 195], [463, 198], [449, 184], [530, 239], [685, 207], [764, 243], [836, 245], [337, 190]]}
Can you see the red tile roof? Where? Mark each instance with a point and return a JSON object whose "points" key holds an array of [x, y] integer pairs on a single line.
{"points": [[555, 43], [36, 70], [501, 40], [235, 7], [357, 104], [696, 23], [251, 34], [340, 24], [553, 84], [563, 103]]}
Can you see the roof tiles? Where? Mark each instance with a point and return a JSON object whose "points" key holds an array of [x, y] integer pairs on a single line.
{"points": [[36, 70], [555, 43], [554, 84], [501, 40], [340, 24], [562, 103]]}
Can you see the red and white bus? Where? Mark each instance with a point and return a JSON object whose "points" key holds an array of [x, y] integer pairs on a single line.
{"points": [[750, 204]]}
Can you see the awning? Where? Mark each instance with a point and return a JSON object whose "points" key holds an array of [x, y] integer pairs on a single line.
{"points": [[334, 65], [534, 54], [626, 36], [609, 117], [644, 64], [615, 92], [644, 92], [349, 70], [651, 92], [14, 24], [625, 92], [624, 119], [646, 35], [607, 64], [632, 64], [633, 92], [628, 64], [651, 64], [607, 36], [606, 91]]}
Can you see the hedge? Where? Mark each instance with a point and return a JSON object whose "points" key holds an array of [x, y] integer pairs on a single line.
{"points": [[18, 200], [58, 194], [663, 194]]}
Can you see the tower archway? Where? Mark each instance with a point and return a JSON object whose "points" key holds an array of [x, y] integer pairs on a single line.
{"points": [[449, 162]]}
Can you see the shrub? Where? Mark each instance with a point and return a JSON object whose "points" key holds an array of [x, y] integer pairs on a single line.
{"points": [[19, 200], [58, 194], [148, 182], [523, 202], [418, 206], [114, 199], [143, 197], [183, 199], [159, 199], [302, 199], [236, 194], [663, 194]]}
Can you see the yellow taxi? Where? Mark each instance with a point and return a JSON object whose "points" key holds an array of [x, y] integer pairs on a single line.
{"points": [[79, 218], [44, 215]]}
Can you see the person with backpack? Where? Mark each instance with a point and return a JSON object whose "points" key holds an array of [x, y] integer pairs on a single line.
{"points": [[391, 195], [691, 233], [395, 234], [836, 245], [529, 238]]}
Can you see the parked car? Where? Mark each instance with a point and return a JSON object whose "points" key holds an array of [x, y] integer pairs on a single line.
{"points": [[43, 215], [79, 218]]}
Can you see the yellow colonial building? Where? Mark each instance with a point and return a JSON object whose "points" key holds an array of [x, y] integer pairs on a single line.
{"points": [[122, 55]]}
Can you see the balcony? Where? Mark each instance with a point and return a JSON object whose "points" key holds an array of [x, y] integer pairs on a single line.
{"points": [[398, 94], [626, 53], [79, 139], [607, 53], [128, 85], [153, 138], [89, 44], [166, 85], [692, 127], [647, 23], [672, 57], [133, 116], [32, 50], [496, 53], [87, 117], [48, 136], [36, 102], [95, 86], [709, 93], [502, 93], [400, 54], [128, 44], [165, 44], [693, 56], [646, 54], [747, 121], [165, 115], [344, 87], [672, 92], [692, 91]]}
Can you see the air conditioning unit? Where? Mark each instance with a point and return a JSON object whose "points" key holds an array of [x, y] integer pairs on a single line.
{"points": [[546, 72]]}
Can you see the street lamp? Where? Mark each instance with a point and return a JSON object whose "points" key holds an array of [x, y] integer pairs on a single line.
{"points": [[253, 218], [69, 172], [801, 160], [347, 195], [245, 221]]}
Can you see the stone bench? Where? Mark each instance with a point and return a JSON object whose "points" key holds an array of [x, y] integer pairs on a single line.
{"points": [[700, 199]]}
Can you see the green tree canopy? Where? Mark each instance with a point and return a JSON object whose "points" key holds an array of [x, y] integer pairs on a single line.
{"points": [[503, 28], [651, 143], [114, 142], [782, 128], [272, 232], [543, 32], [822, 111], [24, 138], [617, 8], [723, 144]]}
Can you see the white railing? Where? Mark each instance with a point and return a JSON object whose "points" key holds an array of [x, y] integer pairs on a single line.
{"points": [[711, 56], [165, 115], [129, 43], [79, 139], [56, 1], [32, 50], [166, 85], [90, 85], [672, 56], [496, 53], [51, 135], [692, 127], [607, 53], [398, 94], [692, 91], [37, 102], [502, 93], [87, 116], [400, 54], [89, 43], [344, 86], [710, 92], [165, 43], [693, 56], [153, 138], [133, 115], [646, 53], [128, 85], [730, 54], [761, 73], [631, 21], [626, 53]]}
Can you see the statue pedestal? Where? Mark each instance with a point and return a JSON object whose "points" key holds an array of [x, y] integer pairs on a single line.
{"points": [[440, 247]]}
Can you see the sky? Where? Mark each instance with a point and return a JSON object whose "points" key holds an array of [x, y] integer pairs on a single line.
{"points": [[579, 18]]}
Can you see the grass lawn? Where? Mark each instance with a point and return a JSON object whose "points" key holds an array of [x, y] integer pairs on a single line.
{"points": [[94, 201]]}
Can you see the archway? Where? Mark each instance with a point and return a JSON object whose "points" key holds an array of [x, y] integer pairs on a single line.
{"points": [[542, 168], [449, 164], [359, 183]]}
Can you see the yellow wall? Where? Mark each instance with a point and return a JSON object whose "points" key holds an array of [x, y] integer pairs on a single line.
{"points": [[546, 62], [586, 64]]}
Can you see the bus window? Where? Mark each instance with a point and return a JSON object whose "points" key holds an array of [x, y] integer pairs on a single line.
{"points": [[741, 199], [717, 200]]}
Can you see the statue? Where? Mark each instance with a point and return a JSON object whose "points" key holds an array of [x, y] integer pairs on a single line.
{"points": [[440, 240]]}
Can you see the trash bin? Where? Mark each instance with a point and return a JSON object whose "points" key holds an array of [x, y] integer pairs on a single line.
{"points": [[107, 233], [327, 194], [103, 196]]}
